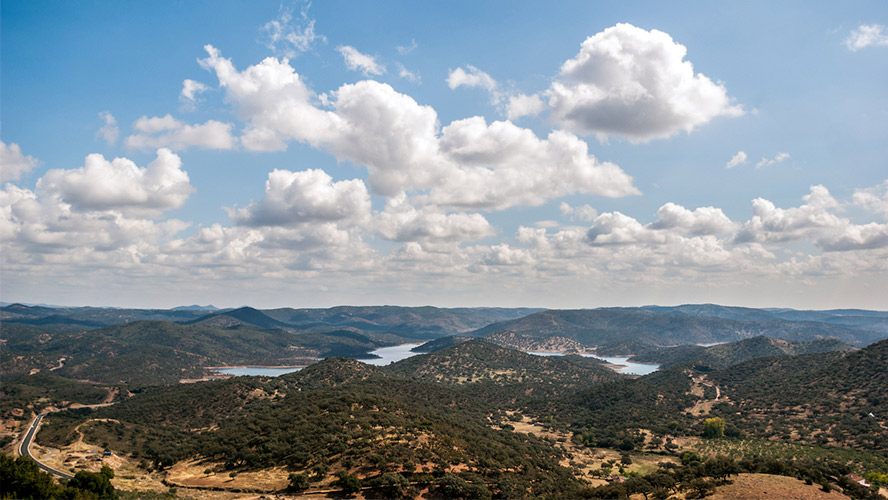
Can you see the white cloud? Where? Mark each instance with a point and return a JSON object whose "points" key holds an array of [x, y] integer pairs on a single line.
{"points": [[813, 221], [408, 75], [401, 221], [738, 159], [867, 35], [500, 165], [109, 131], [274, 101], [294, 198], [770, 162], [505, 255], [190, 94], [166, 131], [468, 164], [615, 228], [120, 185], [290, 35], [703, 220], [524, 105], [635, 84], [357, 61], [474, 77], [874, 199], [14, 163], [584, 213]]}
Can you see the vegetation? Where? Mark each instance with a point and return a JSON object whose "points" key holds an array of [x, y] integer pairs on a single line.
{"points": [[596, 327], [23, 479], [455, 422], [724, 355]]}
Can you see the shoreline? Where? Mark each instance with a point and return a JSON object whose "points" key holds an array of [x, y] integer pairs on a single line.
{"points": [[216, 368]]}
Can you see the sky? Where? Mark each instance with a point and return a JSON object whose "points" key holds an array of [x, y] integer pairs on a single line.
{"points": [[575, 155]]}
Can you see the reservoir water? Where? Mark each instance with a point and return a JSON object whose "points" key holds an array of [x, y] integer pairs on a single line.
{"points": [[625, 366], [262, 371], [387, 355]]}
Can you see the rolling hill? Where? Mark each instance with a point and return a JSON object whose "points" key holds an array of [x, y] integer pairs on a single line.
{"points": [[732, 353], [595, 327]]}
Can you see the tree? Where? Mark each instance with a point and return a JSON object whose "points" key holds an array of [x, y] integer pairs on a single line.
{"points": [[299, 481], [348, 482], [21, 478], [714, 427], [91, 482]]}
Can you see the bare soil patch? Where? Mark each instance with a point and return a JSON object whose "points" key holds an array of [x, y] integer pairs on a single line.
{"points": [[768, 487], [585, 460], [194, 474]]}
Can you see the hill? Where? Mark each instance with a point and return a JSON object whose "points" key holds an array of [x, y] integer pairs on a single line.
{"points": [[443, 342], [732, 353], [159, 352], [242, 316], [411, 322], [597, 327], [478, 362], [822, 398], [339, 417]]}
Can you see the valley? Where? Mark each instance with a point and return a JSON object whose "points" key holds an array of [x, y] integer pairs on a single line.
{"points": [[423, 402]]}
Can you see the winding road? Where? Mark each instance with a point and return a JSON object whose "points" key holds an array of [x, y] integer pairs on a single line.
{"points": [[25, 449]]}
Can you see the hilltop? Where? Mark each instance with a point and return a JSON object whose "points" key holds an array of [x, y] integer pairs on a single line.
{"points": [[479, 362]]}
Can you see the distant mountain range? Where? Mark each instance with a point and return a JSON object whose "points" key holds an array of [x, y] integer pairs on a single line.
{"points": [[722, 355], [682, 325]]}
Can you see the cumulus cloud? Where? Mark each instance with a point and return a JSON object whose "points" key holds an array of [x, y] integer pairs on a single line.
{"points": [[275, 102], [524, 105], [635, 84], [166, 131], [109, 131], [14, 163], [356, 61], [474, 77], [290, 35], [401, 221], [867, 35], [738, 159], [703, 220], [770, 162], [294, 198], [583, 213], [874, 199], [468, 164], [500, 165], [615, 228], [814, 221], [120, 185]]}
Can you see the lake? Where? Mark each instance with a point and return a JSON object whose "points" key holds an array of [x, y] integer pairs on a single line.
{"points": [[387, 355], [627, 367], [262, 371]]}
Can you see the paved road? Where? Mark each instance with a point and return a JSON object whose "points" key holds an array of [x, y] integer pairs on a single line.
{"points": [[25, 449]]}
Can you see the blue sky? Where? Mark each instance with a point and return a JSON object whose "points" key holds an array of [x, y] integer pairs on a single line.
{"points": [[579, 155]]}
